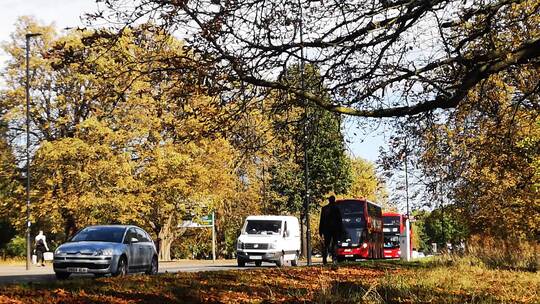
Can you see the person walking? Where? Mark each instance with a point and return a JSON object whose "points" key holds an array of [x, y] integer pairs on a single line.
{"points": [[41, 247], [330, 228]]}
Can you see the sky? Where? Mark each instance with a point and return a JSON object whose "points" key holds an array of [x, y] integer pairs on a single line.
{"points": [[67, 13]]}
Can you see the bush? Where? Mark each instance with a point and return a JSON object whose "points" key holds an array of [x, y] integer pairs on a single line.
{"points": [[505, 254], [497, 253], [16, 247]]}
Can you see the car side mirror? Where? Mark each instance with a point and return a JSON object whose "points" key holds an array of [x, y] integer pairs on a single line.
{"points": [[134, 240]]}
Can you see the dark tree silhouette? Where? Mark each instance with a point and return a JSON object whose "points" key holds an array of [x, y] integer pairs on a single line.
{"points": [[378, 58]]}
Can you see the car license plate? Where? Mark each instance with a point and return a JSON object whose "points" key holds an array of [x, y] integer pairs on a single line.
{"points": [[349, 255], [77, 269], [255, 257]]}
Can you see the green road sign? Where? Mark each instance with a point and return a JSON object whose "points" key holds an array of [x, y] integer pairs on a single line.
{"points": [[207, 220]]}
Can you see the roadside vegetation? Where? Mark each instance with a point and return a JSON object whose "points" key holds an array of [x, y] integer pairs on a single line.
{"points": [[435, 280]]}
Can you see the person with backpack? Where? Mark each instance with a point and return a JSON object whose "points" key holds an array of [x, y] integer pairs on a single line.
{"points": [[41, 247]]}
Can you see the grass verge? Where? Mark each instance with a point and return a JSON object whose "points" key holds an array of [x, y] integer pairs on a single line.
{"points": [[364, 282]]}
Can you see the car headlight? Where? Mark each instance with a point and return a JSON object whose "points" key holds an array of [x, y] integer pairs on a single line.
{"points": [[239, 245], [107, 251]]}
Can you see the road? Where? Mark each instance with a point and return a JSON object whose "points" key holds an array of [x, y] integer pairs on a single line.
{"points": [[18, 274]]}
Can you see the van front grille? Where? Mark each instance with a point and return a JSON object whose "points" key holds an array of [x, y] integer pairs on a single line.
{"points": [[256, 246]]}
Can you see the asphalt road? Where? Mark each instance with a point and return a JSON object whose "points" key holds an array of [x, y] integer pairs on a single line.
{"points": [[10, 274]]}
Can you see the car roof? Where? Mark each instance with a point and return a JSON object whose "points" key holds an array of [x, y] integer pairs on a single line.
{"points": [[119, 226]]}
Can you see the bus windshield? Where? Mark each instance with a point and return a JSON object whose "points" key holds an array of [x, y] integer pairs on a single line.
{"points": [[391, 241], [391, 220], [352, 218], [352, 214]]}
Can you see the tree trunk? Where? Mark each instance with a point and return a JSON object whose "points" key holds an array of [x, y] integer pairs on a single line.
{"points": [[167, 235], [165, 240], [165, 249]]}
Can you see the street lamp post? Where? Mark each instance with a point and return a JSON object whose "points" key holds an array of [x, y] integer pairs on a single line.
{"points": [[306, 137], [28, 242], [407, 252]]}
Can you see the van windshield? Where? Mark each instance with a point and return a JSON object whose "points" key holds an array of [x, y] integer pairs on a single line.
{"points": [[263, 227]]}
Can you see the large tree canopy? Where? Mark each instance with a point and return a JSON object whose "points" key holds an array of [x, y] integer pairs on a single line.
{"points": [[377, 58]]}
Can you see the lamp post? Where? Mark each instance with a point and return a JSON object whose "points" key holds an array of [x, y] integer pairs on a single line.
{"points": [[406, 254], [306, 136], [28, 242]]}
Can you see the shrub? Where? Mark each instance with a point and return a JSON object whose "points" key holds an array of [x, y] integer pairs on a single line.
{"points": [[16, 247], [497, 254]]}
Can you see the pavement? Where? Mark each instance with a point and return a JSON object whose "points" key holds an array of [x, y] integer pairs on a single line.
{"points": [[14, 274]]}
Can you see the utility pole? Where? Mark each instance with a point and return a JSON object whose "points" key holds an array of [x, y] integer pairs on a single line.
{"points": [[406, 254], [306, 136], [213, 236], [28, 241]]}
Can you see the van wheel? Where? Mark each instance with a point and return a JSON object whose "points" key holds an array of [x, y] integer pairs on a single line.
{"points": [[281, 261], [258, 263], [62, 275], [241, 263], [294, 262]]}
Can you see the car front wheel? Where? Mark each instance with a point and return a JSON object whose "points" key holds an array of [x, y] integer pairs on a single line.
{"points": [[121, 270], [153, 266]]}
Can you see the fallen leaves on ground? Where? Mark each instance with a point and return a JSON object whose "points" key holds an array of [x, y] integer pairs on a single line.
{"points": [[369, 282]]}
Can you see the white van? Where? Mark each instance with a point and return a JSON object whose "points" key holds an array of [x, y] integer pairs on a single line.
{"points": [[269, 238]]}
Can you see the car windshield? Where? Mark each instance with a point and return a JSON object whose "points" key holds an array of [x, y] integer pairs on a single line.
{"points": [[263, 227], [100, 234]]}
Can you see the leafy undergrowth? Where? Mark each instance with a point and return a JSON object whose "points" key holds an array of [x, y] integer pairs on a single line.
{"points": [[367, 282]]}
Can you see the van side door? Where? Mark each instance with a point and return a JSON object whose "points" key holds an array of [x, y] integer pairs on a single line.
{"points": [[288, 237]]}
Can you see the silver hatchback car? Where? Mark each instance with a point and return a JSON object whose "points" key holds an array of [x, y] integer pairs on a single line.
{"points": [[112, 249]]}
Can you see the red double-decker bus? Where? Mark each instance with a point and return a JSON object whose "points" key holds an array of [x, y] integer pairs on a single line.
{"points": [[362, 230], [394, 226]]}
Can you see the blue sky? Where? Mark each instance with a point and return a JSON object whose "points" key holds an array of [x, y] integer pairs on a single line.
{"points": [[66, 13]]}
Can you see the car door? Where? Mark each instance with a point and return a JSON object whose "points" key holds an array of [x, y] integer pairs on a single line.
{"points": [[134, 260], [145, 248]]}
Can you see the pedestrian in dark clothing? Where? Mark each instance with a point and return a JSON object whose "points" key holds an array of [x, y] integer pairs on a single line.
{"points": [[330, 228], [41, 247]]}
